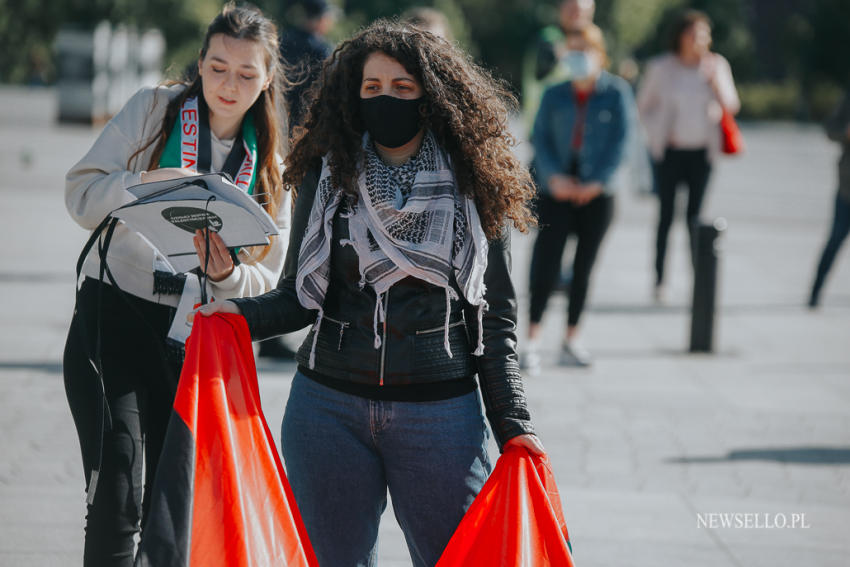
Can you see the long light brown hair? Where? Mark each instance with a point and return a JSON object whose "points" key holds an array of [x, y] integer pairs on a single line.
{"points": [[243, 22], [466, 109]]}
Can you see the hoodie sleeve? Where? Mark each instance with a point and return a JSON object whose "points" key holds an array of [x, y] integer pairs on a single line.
{"points": [[98, 183]]}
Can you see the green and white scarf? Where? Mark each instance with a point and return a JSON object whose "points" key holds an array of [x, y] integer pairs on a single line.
{"points": [[181, 149]]}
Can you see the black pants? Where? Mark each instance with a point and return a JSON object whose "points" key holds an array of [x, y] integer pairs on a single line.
{"points": [[559, 219], [692, 168], [140, 383], [839, 231]]}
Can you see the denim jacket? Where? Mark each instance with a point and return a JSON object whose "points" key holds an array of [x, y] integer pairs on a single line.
{"points": [[609, 116]]}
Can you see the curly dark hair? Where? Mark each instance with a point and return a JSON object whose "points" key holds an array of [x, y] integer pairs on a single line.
{"points": [[466, 109]]}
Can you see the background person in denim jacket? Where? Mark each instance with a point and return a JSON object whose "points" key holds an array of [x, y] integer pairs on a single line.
{"points": [[579, 138]]}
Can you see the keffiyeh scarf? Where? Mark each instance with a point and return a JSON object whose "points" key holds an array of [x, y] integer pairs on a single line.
{"points": [[408, 220]]}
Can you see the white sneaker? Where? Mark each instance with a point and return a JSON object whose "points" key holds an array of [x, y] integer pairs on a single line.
{"points": [[572, 355], [530, 362], [659, 294]]}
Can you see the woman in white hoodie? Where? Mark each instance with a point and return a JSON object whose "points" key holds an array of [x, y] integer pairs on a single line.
{"points": [[681, 102], [227, 120]]}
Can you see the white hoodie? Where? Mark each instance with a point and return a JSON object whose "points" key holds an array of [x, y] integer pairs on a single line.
{"points": [[98, 184]]}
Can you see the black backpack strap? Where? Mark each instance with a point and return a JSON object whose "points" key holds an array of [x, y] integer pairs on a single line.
{"points": [[102, 236], [104, 417]]}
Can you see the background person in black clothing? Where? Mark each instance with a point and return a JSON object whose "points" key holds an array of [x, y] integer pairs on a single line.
{"points": [[303, 49], [838, 130]]}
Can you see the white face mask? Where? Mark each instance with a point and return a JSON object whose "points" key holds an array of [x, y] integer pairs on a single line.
{"points": [[580, 65]]}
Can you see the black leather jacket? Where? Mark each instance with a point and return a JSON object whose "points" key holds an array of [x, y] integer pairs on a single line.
{"points": [[412, 337]]}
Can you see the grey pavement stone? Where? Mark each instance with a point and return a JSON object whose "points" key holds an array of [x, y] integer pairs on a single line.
{"points": [[639, 443], [39, 559], [602, 552]]}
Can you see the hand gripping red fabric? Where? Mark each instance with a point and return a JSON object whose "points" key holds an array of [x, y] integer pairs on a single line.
{"points": [[515, 521]]}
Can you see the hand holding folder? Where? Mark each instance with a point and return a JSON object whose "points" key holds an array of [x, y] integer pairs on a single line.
{"points": [[167, 214]]}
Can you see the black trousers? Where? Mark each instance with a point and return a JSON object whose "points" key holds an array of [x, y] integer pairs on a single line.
{"points": [[839, 231], [692, 168], [559, 219], [140, 381]]}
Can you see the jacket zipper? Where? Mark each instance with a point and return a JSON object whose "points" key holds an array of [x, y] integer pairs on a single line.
{"points": [[435, 329], [384, 338], [338, 322], [343, 325]]}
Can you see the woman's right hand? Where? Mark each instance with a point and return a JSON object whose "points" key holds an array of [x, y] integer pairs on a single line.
{"points": [[166, 173], [562, 187], [215, 307]]}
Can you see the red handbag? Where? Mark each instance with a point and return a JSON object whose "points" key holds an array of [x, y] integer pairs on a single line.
{"points": [[732, 141]]}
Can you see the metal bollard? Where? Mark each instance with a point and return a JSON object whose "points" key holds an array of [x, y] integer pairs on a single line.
{"points": [[705, 256]]}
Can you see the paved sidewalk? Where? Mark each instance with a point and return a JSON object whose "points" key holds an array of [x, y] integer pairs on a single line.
{"points": [[644, 445]]}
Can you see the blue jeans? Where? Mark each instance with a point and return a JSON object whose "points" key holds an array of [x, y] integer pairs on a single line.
{"points": [[343, 451]]}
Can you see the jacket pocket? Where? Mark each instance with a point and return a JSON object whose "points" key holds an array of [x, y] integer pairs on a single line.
{"points": [[341, 327], [430, 359], [329, 343]]}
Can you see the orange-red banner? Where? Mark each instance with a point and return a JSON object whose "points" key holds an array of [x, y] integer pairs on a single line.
{"points": [[515, 521], [220, 495]]}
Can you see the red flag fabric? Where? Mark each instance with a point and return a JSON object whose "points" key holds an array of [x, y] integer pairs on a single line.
{"points": [[515, 521], [220, 495]]}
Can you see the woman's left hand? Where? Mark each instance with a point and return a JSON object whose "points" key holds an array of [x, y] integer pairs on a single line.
{"points": [[528, 441], [220, 263]]}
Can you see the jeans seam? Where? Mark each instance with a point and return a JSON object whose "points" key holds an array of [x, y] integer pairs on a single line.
{"points": [[373, 411]]}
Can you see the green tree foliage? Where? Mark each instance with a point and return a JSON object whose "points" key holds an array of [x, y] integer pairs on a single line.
{"points": [[360, 13], [730, 31], [631, 22], [28, 27], [827, 56], [781, 47]]}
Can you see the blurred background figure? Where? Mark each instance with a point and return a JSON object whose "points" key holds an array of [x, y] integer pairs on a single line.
{"points": [[838, 130], [430, 20], [541, 68], [681, 102], [303, 49], [544, 66], [579, 140]]}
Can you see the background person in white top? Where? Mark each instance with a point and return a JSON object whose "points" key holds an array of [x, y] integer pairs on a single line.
{"points": [[225, 119], [681, 101]]}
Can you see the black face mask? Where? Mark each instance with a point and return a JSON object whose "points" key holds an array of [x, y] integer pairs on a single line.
{"points": [[391, 121]]}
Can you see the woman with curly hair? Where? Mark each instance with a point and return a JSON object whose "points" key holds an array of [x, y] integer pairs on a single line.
{"points": [[399, 257]]}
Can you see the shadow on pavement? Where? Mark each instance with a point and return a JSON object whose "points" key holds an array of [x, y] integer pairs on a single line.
{"points": [[795, 455], [47, 367]]}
